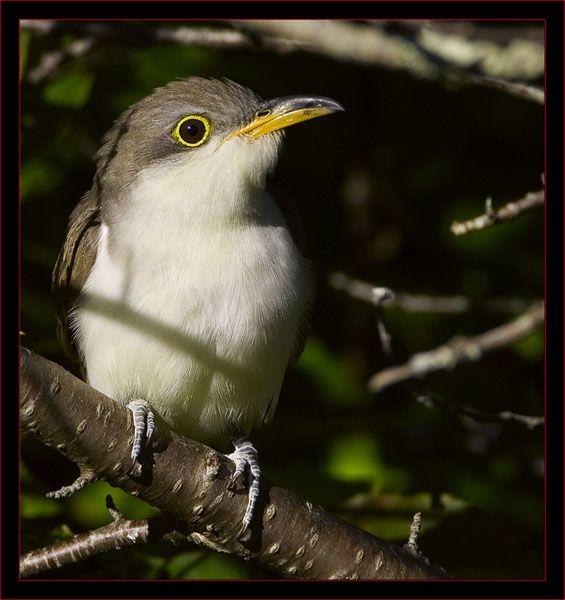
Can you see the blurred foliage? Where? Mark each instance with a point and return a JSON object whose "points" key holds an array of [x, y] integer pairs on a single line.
{"points": [[378, 188]]}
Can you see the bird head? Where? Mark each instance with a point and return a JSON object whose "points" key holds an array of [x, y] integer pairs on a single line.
{"points": [[198, 122]]}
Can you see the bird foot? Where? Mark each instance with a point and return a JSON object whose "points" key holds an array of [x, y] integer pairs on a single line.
{"points": [[143, 426], [246, 458]]}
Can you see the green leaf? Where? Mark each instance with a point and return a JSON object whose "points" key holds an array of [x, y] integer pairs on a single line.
{"points": [[531, 347], [37, 178], [35, 506], [179, 566], [331, 375], [88, 507], [217, 567], [70, 90], [25, 40], [354, 457]]}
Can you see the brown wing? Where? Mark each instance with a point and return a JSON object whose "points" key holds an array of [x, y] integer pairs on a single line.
{"points": [[74, 264], [290, 211]]}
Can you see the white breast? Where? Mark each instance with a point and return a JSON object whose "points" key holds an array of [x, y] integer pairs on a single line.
{"points": [[196, 315]]}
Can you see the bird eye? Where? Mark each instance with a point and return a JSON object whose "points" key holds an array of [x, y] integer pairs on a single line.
{"points": [[192, 131]]}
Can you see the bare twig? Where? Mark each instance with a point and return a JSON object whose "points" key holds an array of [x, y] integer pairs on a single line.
{"points": [[460, 350], [431, 401], [50, 62], [368, 292], [412, 543], [522, 90], [85, 477], [507, 213], [378, 296], [115, 536], [384, 338]]}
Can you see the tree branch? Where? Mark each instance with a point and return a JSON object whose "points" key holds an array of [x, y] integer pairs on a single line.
{"points": [[507, 213], [431, 401], [460, 350], [190, 481], [381, 296], [527, 92], [424, 51], [50, 62], [115, 536], [139, 34], [412, 543]]}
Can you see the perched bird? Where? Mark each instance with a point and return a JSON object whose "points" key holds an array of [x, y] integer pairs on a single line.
{"points": [[181, 288]]}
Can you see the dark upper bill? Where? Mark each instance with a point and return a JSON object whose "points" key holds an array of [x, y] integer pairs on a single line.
{"points": [[282, 112]]}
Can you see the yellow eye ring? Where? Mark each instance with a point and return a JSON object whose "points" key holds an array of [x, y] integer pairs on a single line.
{"points": [[192, 131]]}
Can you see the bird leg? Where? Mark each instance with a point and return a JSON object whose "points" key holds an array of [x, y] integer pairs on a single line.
{"points": [[246, 458], [143, 426]]}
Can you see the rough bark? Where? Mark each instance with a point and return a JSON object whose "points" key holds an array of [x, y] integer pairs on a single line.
{"points": [[290, 536]]}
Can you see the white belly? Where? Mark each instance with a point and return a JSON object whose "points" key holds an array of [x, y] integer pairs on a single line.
{"points": [[201, 327]]}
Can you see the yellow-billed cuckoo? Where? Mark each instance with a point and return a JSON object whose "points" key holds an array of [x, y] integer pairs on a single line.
{"points": [[181, 287]]}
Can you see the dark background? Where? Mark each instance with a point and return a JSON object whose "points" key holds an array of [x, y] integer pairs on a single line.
{"points": [[378, 188]]}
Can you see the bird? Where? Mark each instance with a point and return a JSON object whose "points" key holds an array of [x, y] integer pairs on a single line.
{"points": [[182, 288]]}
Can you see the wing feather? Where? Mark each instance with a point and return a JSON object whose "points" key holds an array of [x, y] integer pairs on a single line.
{"points": [[74, 264]]}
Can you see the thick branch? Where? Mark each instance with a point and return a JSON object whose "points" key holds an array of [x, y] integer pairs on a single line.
{"points": [[478, 30], [460, 350], [424, 51], [189, 480]]}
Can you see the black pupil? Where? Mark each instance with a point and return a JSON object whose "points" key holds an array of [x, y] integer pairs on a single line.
{"points": [[192, 131]]}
